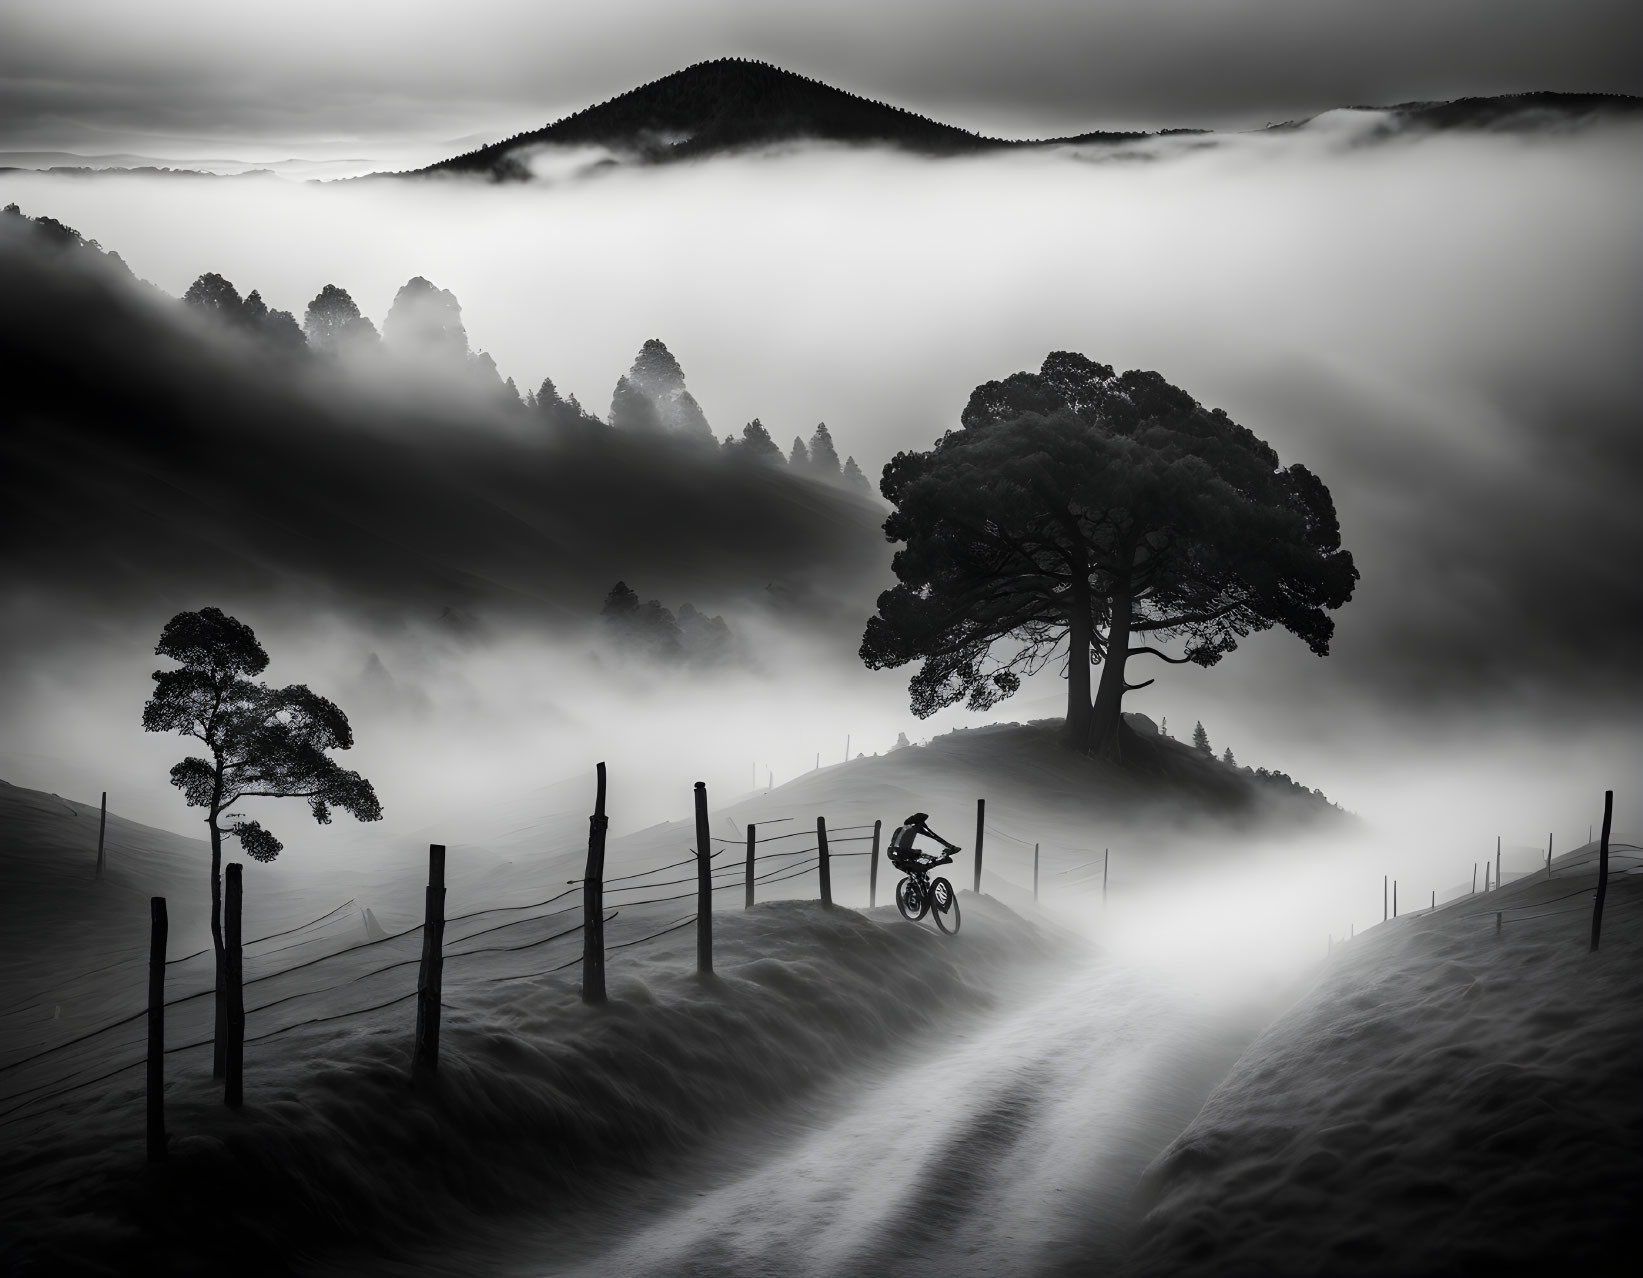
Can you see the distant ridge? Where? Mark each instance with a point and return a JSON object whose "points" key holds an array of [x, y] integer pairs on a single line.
{"points": [[732, 104]]}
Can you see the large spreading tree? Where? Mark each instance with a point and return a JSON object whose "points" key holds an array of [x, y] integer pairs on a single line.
{"points": [[1086, 516], [262, 742]]}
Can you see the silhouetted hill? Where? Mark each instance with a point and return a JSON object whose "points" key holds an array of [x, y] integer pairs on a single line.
{"points": [[735, 103], [722, 106], [1518, 112]]}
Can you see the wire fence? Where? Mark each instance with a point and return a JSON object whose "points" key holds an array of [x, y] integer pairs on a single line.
{"points": [[358, 977]]}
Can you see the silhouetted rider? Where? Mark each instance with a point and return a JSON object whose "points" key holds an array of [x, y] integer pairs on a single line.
{"points": [[905, 856]]}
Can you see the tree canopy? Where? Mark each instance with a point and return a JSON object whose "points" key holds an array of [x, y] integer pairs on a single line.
{"points": [[333, 323], [1078, 514], [425, 323]]}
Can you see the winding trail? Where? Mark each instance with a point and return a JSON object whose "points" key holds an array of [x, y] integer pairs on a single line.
{"points": [[1015, 1147]]}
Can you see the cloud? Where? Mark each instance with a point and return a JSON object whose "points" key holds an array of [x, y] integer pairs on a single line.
{"points": [[306, 69]]}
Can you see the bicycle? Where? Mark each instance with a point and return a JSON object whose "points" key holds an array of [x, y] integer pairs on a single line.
{"points": [[918, 894]]}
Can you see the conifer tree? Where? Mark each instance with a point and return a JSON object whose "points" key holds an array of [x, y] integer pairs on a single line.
{"points": [[756, 444], [854, 479], [824, 458], [799, 458], [1200, 739]]}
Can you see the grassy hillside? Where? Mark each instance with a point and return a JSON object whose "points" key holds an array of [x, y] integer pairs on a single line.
{"points": [[1454, 1096]]}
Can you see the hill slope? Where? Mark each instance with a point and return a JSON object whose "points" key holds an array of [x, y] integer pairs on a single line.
{"points": [[721, 106]]}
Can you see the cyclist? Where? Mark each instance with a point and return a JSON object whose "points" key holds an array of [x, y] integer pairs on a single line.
{"points": [[907, 858]]}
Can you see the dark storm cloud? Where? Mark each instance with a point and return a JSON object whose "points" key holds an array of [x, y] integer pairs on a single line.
{"points": [[149, 465], [304, 69]]}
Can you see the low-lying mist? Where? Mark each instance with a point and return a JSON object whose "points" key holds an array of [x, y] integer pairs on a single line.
{"points": [[1442, 328]]}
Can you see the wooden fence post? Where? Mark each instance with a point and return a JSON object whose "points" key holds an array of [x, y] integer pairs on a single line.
{"points": [[1474, 878], [233, 978], [158, 928], [824, 866], [1602, 870], [751, 840], [593, 898], [981, 828], [102, 824], [1035, 872], [704, 885], [1486, 869], [430, 980], [1548, 856], [1386, 909], [1394, 898], [1434, 898], [873, 868]]}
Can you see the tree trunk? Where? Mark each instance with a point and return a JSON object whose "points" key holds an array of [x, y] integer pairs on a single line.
{"points": [[219, 1038], [1106, 716], [1079, 637]]}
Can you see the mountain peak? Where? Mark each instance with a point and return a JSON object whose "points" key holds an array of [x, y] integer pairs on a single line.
{"points": [[721, 105]]}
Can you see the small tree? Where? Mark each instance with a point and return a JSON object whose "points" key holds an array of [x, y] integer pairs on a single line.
{"points": [[263, 743], [854, 479], [425, 323], [824, 458], [214, 295], [1227, 758], [1200, 739], [334, 324], [631, 409], [757, 445], [799, 458]]}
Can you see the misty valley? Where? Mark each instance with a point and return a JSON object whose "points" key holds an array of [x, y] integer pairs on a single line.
{"points": [[752, 682]]}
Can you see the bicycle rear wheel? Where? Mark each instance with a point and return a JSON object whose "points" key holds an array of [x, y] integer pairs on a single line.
{"points": [[945, 905], [911, 899]]}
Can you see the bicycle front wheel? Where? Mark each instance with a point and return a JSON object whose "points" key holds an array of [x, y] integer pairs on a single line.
{"points": [[911, 899], [945, 905]]}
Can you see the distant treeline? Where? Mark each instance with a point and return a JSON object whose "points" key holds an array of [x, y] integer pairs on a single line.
{"points": [[424, 326]]}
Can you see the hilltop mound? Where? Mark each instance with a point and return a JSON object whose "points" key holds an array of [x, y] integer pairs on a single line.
{"points": [[724, 105]]}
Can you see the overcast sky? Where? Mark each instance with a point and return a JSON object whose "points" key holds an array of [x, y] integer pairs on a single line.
{"points": [[318, 77]]}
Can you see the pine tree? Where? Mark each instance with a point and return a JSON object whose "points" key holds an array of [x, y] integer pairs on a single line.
{"points": [[632, 409], [756, 444], [824, 458], [799, 458], [854, 479], [1200, 739], [1227, 758], [657, 376]]}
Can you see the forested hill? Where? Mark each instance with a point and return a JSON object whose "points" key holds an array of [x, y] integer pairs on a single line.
{"points": [[723, 105], [736, 103]]}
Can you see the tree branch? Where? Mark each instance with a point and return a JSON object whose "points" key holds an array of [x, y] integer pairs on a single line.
{"points": [[1154, 652]]}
